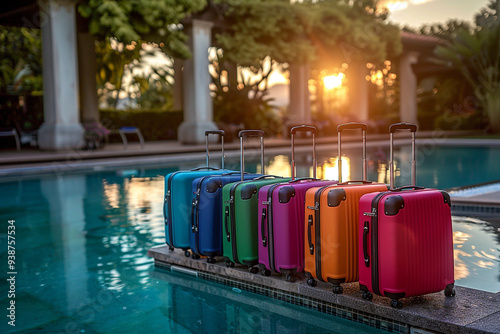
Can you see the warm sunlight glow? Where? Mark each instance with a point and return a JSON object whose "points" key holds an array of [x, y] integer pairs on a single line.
{"points": [[280, 166], [330, 170], [333, 81]]}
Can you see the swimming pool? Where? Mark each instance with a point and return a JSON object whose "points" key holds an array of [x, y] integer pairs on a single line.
{"points": [[81, 243]]}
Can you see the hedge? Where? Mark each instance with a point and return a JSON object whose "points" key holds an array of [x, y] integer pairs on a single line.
{"points": [[154, 124]]}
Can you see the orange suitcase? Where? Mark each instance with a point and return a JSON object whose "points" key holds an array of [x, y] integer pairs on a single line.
{"points": [[331, 221]]}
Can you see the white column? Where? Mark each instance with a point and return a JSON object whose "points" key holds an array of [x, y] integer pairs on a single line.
{"points": [[61, 129], [299, 108], [87, 68], [178, 83], [408, 90], [358, 92], [198, 108]]}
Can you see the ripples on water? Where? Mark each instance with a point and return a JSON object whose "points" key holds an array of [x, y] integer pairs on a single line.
{"points": [[81, 258]]}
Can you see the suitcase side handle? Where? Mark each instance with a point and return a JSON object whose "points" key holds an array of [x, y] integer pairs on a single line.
{"points": [[304, 128], [251, 133], [392, 129], [304, 179], [226, 218], [355, 182], [366, 231], [265, 177], [221, 133], [408, 187], [309, 236], [262, 225], [204, 167], [351, 126]]}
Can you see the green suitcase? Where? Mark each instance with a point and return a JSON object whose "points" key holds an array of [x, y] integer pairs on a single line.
{"points": [[240, 212]]}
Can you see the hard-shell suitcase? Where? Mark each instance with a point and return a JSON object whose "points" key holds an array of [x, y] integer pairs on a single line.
{"points": [[405, 238], [240, 215], [205, 238], [281, 228], [331, 222], [177, 204]]}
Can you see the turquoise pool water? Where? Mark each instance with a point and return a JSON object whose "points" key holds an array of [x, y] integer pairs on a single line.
{"points": [[81, 243]]}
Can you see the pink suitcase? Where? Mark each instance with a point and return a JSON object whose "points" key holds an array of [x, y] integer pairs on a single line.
{"points": [[282, 219], [405, 238]]}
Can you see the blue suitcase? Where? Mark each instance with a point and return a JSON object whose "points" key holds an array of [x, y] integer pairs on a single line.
{"points": [[178, 197], [206, 217]]}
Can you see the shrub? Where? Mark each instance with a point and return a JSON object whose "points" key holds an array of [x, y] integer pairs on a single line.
{"points": [[154, 124]]}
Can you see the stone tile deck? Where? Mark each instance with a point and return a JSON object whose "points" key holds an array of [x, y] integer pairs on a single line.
{"points": [[470, 311]]}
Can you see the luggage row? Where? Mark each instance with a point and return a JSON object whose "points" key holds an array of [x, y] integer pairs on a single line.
{"points": [[397, 242]]}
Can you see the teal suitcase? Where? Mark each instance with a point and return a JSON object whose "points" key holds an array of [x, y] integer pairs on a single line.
{"points": [[177, 205]]}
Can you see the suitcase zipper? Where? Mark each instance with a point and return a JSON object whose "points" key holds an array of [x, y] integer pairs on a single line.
{"points": [[232, 216], [270, 227], [374, 238], [168, 219], [317, 232], [195, 216]]}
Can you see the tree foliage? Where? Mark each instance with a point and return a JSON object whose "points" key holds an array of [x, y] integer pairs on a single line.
{"points": [[476, 55], [308, 31], [20, 60], [153, 21]]}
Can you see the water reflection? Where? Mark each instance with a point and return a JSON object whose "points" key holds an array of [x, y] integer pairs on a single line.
{"points": [[476, 253], [86, 235], [219, 309]]}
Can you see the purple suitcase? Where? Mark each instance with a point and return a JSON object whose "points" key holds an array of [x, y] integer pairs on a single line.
{"points": [[281, 248]]}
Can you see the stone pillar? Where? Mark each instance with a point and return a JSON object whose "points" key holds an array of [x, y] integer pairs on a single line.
{"points": [[198, 107], [358, 92], [178, 84], [87, 68], [408, 90], [61, 129], [299, 108]]}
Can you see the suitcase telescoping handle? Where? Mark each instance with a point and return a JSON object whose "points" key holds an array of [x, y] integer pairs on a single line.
{"points": [[251, 133], [221, 133], [392, 129], [351, 126], [304, 128]]}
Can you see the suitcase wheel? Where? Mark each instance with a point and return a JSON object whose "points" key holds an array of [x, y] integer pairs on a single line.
{"points": [[211, 260], [171, 248], [338, 289], [367, 295], [195, 256], [253, 270], [290, 278], [265, 272], [311, 281], [187, 253], [396, 303], [229, 264], [449, 292]]}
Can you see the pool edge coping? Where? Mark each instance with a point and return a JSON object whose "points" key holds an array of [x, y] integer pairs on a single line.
{"points": [[411, 314]]}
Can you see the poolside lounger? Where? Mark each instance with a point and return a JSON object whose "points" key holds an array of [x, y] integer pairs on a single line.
{"points": [[281, 227], [331, 223], [405, 238]]}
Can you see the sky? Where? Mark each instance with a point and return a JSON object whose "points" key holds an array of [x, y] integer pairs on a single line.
{"points": [[415, 13]]}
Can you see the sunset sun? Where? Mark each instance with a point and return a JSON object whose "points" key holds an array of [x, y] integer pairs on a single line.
{"points": [[333, 81]]}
